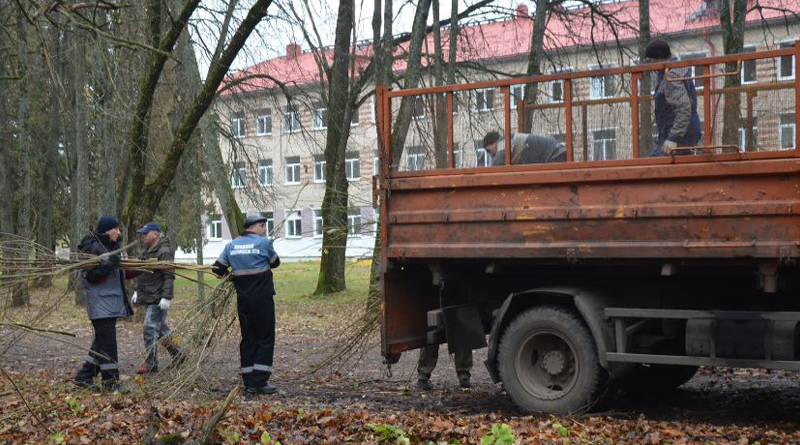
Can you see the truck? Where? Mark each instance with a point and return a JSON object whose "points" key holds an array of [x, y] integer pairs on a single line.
{"points": [[610, 269]]}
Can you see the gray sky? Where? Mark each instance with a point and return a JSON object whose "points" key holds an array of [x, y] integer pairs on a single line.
{"points": [[275, 33]]}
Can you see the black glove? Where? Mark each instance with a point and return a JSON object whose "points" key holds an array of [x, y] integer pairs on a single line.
{"points": [[114, 259]]}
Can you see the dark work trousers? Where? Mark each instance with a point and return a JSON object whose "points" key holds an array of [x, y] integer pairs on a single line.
{"points": [[429, 355], [256, 307], [103, 356]]}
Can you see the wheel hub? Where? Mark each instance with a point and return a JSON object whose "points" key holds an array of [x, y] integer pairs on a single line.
{"points": [[554, 362]]}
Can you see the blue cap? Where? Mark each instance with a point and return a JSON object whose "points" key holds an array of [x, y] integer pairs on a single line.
{"points": [[152, 225]]}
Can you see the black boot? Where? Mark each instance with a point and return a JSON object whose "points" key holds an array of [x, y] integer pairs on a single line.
{"points": [[85, 376]]}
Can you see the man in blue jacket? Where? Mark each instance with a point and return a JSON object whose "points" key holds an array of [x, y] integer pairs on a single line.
{"points": [[251, 258], [106, 301], [675, 104]]}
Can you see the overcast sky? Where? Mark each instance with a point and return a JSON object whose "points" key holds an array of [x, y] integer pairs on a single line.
{"points": [[274, 33]]}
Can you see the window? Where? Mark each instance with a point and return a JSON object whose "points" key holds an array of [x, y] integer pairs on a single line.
{"points": [[294, 224], [603, 86], [264, 122], [239, 175], [517, 95], [319, 168], [749, 74], [604, 146], [352, 166], [557, 87], [354, 119], [415, 158], [787, 131], [698, 70], [743, 145], [458, 156], [237, 125], [293, 170], [270, 222], [483, 100], [215, 227], [786, 63], [376, 163], [373, 109], [354, 222], [320, 114], [419, 108], [291, 119], [265, 172], [317, 222], [482, 157]]}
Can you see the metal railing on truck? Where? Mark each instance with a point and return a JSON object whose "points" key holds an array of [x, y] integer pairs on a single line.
{"points": [[598, 115]]}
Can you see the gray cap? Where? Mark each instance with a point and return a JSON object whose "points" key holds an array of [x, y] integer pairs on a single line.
{"points": [[253, 218]]}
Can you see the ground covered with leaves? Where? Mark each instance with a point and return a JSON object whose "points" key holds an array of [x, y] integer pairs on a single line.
{"points": [[359, 402]]}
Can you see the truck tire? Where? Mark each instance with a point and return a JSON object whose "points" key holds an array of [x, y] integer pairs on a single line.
{"points": [[656, 379], [548, 362]]}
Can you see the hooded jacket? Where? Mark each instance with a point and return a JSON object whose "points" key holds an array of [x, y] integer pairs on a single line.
{"points": [[104, 284], [152, 287]]}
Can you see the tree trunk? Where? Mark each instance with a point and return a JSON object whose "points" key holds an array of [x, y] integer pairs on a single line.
{"points": [[535, 57], [412, 78], [80, 180], [732, 21], [143, 209], [334, 204], [645, 106], [440, 116]]}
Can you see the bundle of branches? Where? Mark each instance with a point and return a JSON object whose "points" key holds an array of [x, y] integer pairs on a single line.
{"points": [[198, 334]]}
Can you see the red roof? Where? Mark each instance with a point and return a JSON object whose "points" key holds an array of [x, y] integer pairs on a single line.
{"points": [[511, 38]]}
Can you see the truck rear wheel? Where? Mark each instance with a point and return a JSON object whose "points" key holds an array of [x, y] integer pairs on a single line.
{"points": [[548, 362]]}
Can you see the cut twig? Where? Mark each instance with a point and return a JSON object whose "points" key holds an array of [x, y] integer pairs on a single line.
{"points": [[211, 424]]}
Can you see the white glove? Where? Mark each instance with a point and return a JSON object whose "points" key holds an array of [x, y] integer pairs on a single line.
{"points": [[668, 146], [134, 297], [164, 304]]}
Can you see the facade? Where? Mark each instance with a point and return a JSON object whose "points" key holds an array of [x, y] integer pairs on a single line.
{"points": [[274, 149]]}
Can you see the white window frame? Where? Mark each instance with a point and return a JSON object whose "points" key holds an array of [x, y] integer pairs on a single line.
{"points": [[291, 119], [595, 140], [593, 92], [779, 61], [293, 166], [487, 157], [292, 216], [790, 125], [485, 108], [266, 171], [239, 175], [240, 121], [319, 116], [749, 49], [517, 93], [743, 135], [215, 225], [261, 118], [376, 163], [372, 111], [319, 222], [356, 116], [553, 83], [349, 160], [458, 155], [270, 215], [320, 164], [414, 158], [354, 223]]}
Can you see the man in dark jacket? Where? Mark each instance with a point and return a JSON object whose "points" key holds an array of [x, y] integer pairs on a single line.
{"points": [[525, 149], [155, 291], [105, 302], [251, 259], [675, 104]]}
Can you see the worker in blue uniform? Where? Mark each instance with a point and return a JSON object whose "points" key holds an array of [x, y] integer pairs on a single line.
{"points": [[250, 258]]}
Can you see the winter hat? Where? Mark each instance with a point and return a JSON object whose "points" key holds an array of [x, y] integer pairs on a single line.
{"points": [[658, 49], [490, 138], [106, 223]]}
